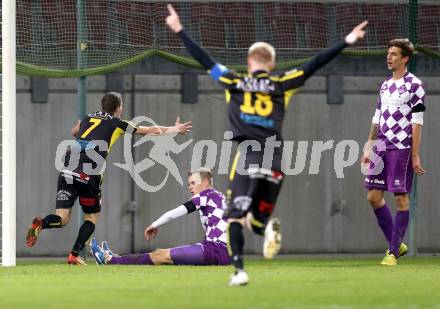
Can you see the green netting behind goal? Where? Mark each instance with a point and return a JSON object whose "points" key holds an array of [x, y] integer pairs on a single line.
{"points": [[51, 39]]}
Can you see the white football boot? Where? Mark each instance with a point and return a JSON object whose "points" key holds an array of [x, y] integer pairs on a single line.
{"points": [[272, 238], [239, 278]]}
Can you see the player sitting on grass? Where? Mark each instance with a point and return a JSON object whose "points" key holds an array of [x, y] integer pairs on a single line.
{"points": [[211, 251], [98, 129]]}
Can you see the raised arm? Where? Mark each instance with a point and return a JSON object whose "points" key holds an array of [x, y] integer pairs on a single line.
{"points": [[329, 54], [297, 78], [173, 22]]}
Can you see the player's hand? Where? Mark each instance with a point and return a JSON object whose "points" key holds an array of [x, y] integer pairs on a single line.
{"points": [[173, 20], [357, 33], [150, 233], [365, 158], [75, 129], [417, 166], [182, 128]]}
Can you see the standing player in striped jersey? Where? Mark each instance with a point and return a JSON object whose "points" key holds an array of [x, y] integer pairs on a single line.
{"points": [[211, 251], [257, 102], [397, 123], [97, 133]]}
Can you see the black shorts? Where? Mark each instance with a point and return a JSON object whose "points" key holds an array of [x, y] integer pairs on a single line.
{"points": [[257, 193], [72, 185]]}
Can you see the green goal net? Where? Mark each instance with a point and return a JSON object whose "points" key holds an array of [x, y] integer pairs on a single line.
{"points": [[62, 38]]}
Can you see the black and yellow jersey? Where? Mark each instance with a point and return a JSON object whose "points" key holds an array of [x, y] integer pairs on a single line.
{"points": [[99, 131], [257, 102]]}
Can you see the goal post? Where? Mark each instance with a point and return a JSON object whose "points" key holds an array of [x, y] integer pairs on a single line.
{"points": [[8, 130]]}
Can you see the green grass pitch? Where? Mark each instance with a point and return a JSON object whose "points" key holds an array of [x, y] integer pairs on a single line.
{"points": [[298, 282]]}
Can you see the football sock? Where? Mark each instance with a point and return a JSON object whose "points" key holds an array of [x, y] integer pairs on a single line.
{"points": [[52, 221], [84, 234], [236, 244], [400, 224], [385, 221], [132, 259]]}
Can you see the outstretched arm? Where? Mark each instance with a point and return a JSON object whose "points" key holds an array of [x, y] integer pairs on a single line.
{"points": [[152, 230], [297, 78], [181, 128], [327, 55]]}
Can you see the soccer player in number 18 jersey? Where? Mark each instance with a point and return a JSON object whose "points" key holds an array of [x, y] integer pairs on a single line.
{"points": [[257, 102]]}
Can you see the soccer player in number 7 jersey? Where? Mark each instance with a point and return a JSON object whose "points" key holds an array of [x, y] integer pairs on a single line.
{"points": [[397, 124], [98, 132], [257, 102]]}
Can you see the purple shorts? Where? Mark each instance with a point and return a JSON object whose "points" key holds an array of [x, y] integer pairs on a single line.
{"points": [[203, 253], [216, 253], [396, 175]]}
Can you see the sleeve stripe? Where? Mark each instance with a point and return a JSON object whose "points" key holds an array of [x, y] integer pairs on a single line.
{"points": [[288, 95], [292, 75], [288, 76]]}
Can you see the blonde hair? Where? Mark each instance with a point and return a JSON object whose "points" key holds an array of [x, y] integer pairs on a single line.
{"points": [[262, 52], [205, 173]]}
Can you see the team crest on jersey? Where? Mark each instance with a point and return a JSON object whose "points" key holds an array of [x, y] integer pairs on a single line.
{"points": [[402, 89], [384, 88]]}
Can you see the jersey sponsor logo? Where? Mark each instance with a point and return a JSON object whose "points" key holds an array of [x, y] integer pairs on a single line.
{"points": [[393, 101], [375, 181], [257, 120]]}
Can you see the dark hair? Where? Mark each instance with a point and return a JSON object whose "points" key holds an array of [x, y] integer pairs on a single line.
{"points": [[205, 173], [406, 47], [110, 102]]}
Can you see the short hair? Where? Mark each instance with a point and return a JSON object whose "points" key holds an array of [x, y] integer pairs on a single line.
{"points": [[405, 45], [205, 173], [111, 101], [262, 52]]}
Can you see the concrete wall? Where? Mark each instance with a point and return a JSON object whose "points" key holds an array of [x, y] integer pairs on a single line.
{"points": [[320, 213]]}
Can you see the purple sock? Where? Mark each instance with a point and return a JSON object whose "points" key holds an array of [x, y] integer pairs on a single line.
{"points": [[132, 259], [385, 221], [399, 229]]}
